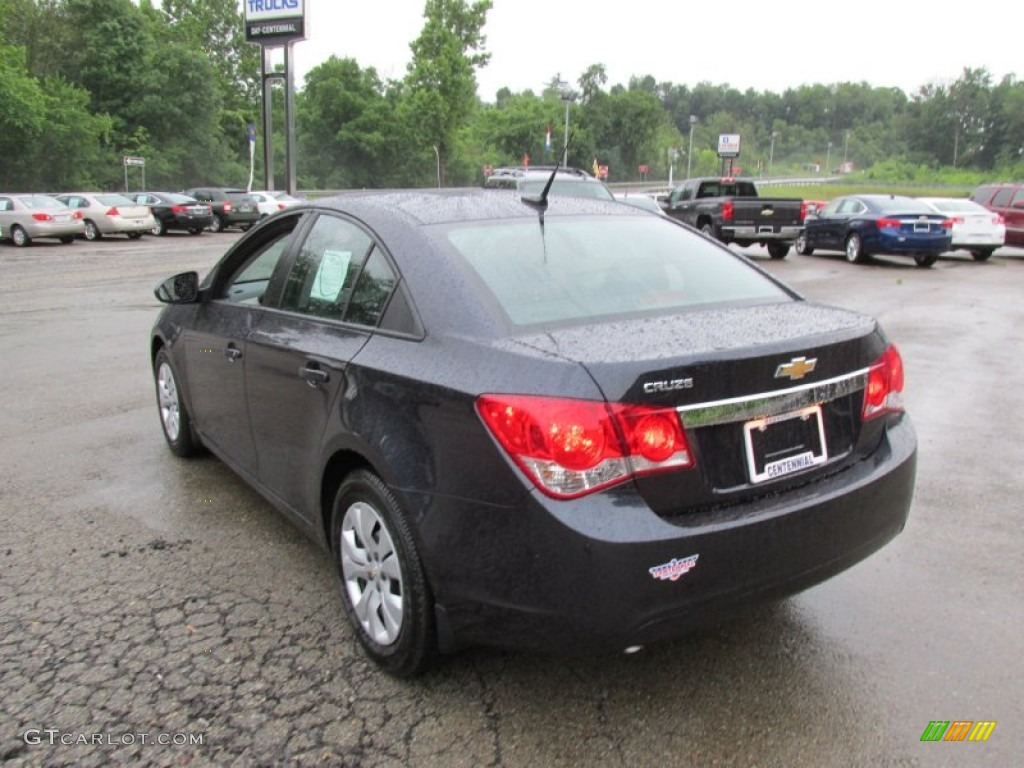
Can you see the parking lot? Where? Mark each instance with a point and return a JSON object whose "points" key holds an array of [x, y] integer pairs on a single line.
{"points": [[158, 611]]}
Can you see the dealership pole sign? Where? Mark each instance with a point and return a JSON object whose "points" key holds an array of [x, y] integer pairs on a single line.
{"points": [[274, 22]]}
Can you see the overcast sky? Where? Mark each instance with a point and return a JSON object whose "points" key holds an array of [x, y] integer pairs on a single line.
{"points": [[768, 45]]}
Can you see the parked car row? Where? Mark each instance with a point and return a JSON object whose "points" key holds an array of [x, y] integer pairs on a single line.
{"points": [[923, 228], [94, 215]]}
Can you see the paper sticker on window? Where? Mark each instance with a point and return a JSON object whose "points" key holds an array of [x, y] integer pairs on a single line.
{"points": [[330, 277]]}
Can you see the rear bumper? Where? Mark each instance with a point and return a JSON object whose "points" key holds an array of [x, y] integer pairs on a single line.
{"points": [[583, 575], [124, 226], [893, 243], [764, 233], [52, 228]]}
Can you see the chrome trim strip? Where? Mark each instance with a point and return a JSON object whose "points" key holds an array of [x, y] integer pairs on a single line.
{"points": [[771, 403]]}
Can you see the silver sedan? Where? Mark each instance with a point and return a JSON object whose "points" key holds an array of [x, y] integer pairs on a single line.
{"points": [[24, 217], [108, 213]]}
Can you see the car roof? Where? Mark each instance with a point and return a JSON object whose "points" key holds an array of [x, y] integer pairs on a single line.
{"points": [[440, 206]]}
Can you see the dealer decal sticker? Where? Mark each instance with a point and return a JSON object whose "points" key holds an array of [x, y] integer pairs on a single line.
{"points": [[674, 569]]}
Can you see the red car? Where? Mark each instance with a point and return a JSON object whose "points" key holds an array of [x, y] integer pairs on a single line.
{"points": [[1008, 200]]}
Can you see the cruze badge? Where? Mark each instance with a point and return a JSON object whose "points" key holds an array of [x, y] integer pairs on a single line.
{"points": [[796, 368], [650, 387], [674, 569]]}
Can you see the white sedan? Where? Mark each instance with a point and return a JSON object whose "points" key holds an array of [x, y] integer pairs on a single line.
{"points": [[272, 201], [975, 227]]}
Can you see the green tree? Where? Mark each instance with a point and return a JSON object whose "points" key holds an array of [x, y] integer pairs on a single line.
{"points": [[346, 127], [440, 93]]}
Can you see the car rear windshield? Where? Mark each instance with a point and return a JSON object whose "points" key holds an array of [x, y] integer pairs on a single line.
{"points": [[569, 188], [901, 205], [579, 268], [41, 201], [113, 200]]}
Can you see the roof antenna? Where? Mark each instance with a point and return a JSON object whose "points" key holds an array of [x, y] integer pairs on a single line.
{"points": [[541, 201]]}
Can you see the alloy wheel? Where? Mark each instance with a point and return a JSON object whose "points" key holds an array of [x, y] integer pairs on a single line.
{"points": [[372, 572], [170, 406]]}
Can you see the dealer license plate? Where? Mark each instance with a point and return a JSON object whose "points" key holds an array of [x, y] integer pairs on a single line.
{"points": [[782, 445]]}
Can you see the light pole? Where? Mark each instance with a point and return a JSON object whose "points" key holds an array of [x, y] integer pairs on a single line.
{"points": [[846, 147], [771, 153], [828, 158], [437, 154], [568, 96], [689, 155]]}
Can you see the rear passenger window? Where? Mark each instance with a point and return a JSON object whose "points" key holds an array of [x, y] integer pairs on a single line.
{"points": [[372, 290], [326, 270], [1019, 197], [1002, 198]]}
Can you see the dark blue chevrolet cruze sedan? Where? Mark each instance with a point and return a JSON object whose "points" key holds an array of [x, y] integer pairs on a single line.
{"points": [[555, 425]]}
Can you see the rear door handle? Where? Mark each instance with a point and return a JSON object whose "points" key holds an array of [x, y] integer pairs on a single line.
{"points": [[314, 376]]}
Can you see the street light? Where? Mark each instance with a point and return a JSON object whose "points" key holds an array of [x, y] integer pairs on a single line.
{"points": [[568, 96], [828, 158], [689, 155], [771, 153], [437, 154], [846, 147]]}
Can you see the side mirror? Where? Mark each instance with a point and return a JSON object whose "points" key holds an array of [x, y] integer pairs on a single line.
{"points": [[180, 289]]}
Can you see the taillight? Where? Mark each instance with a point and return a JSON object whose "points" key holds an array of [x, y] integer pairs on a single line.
{"points": [[956, 220], [948, 223], [884, 223], [179, 209], [884, 392], [281, 206], [998, 219], [727, 210], [42, 217], [569, 448], [803, 209], [113, 211], [76, 215], [227, 207]]}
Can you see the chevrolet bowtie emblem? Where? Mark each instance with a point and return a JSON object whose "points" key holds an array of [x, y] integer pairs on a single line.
{"points": [[796, 368], [767, 212]]}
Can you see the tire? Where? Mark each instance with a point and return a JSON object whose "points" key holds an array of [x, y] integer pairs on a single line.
{"points": [[134, 235], [174, 416], [708, 230], [159, 229], [801, 246], [778, 250], [20, 237], [217, 225], [92, 232], [982, 254], [854, 249], [195, 231], [244, 227], [383, 586], [68, 239], [925, 259]]}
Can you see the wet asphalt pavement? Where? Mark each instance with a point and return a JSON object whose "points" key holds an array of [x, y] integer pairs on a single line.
{"points": [[155, 611]]}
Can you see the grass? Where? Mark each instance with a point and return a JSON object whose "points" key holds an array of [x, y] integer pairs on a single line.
{"points": [[830, 190]]}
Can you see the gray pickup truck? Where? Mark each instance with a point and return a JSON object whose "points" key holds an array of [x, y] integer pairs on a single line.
{"points": [[732, 211]]}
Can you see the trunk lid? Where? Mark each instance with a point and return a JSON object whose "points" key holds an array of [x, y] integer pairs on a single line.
{"points": [[769, 396]]}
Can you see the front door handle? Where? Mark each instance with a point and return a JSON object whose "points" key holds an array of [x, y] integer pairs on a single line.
{"points": [[314, 376], [232, 353]]}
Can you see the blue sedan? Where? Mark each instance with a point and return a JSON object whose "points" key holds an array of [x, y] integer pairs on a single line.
{"points": [[863, 225]]}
